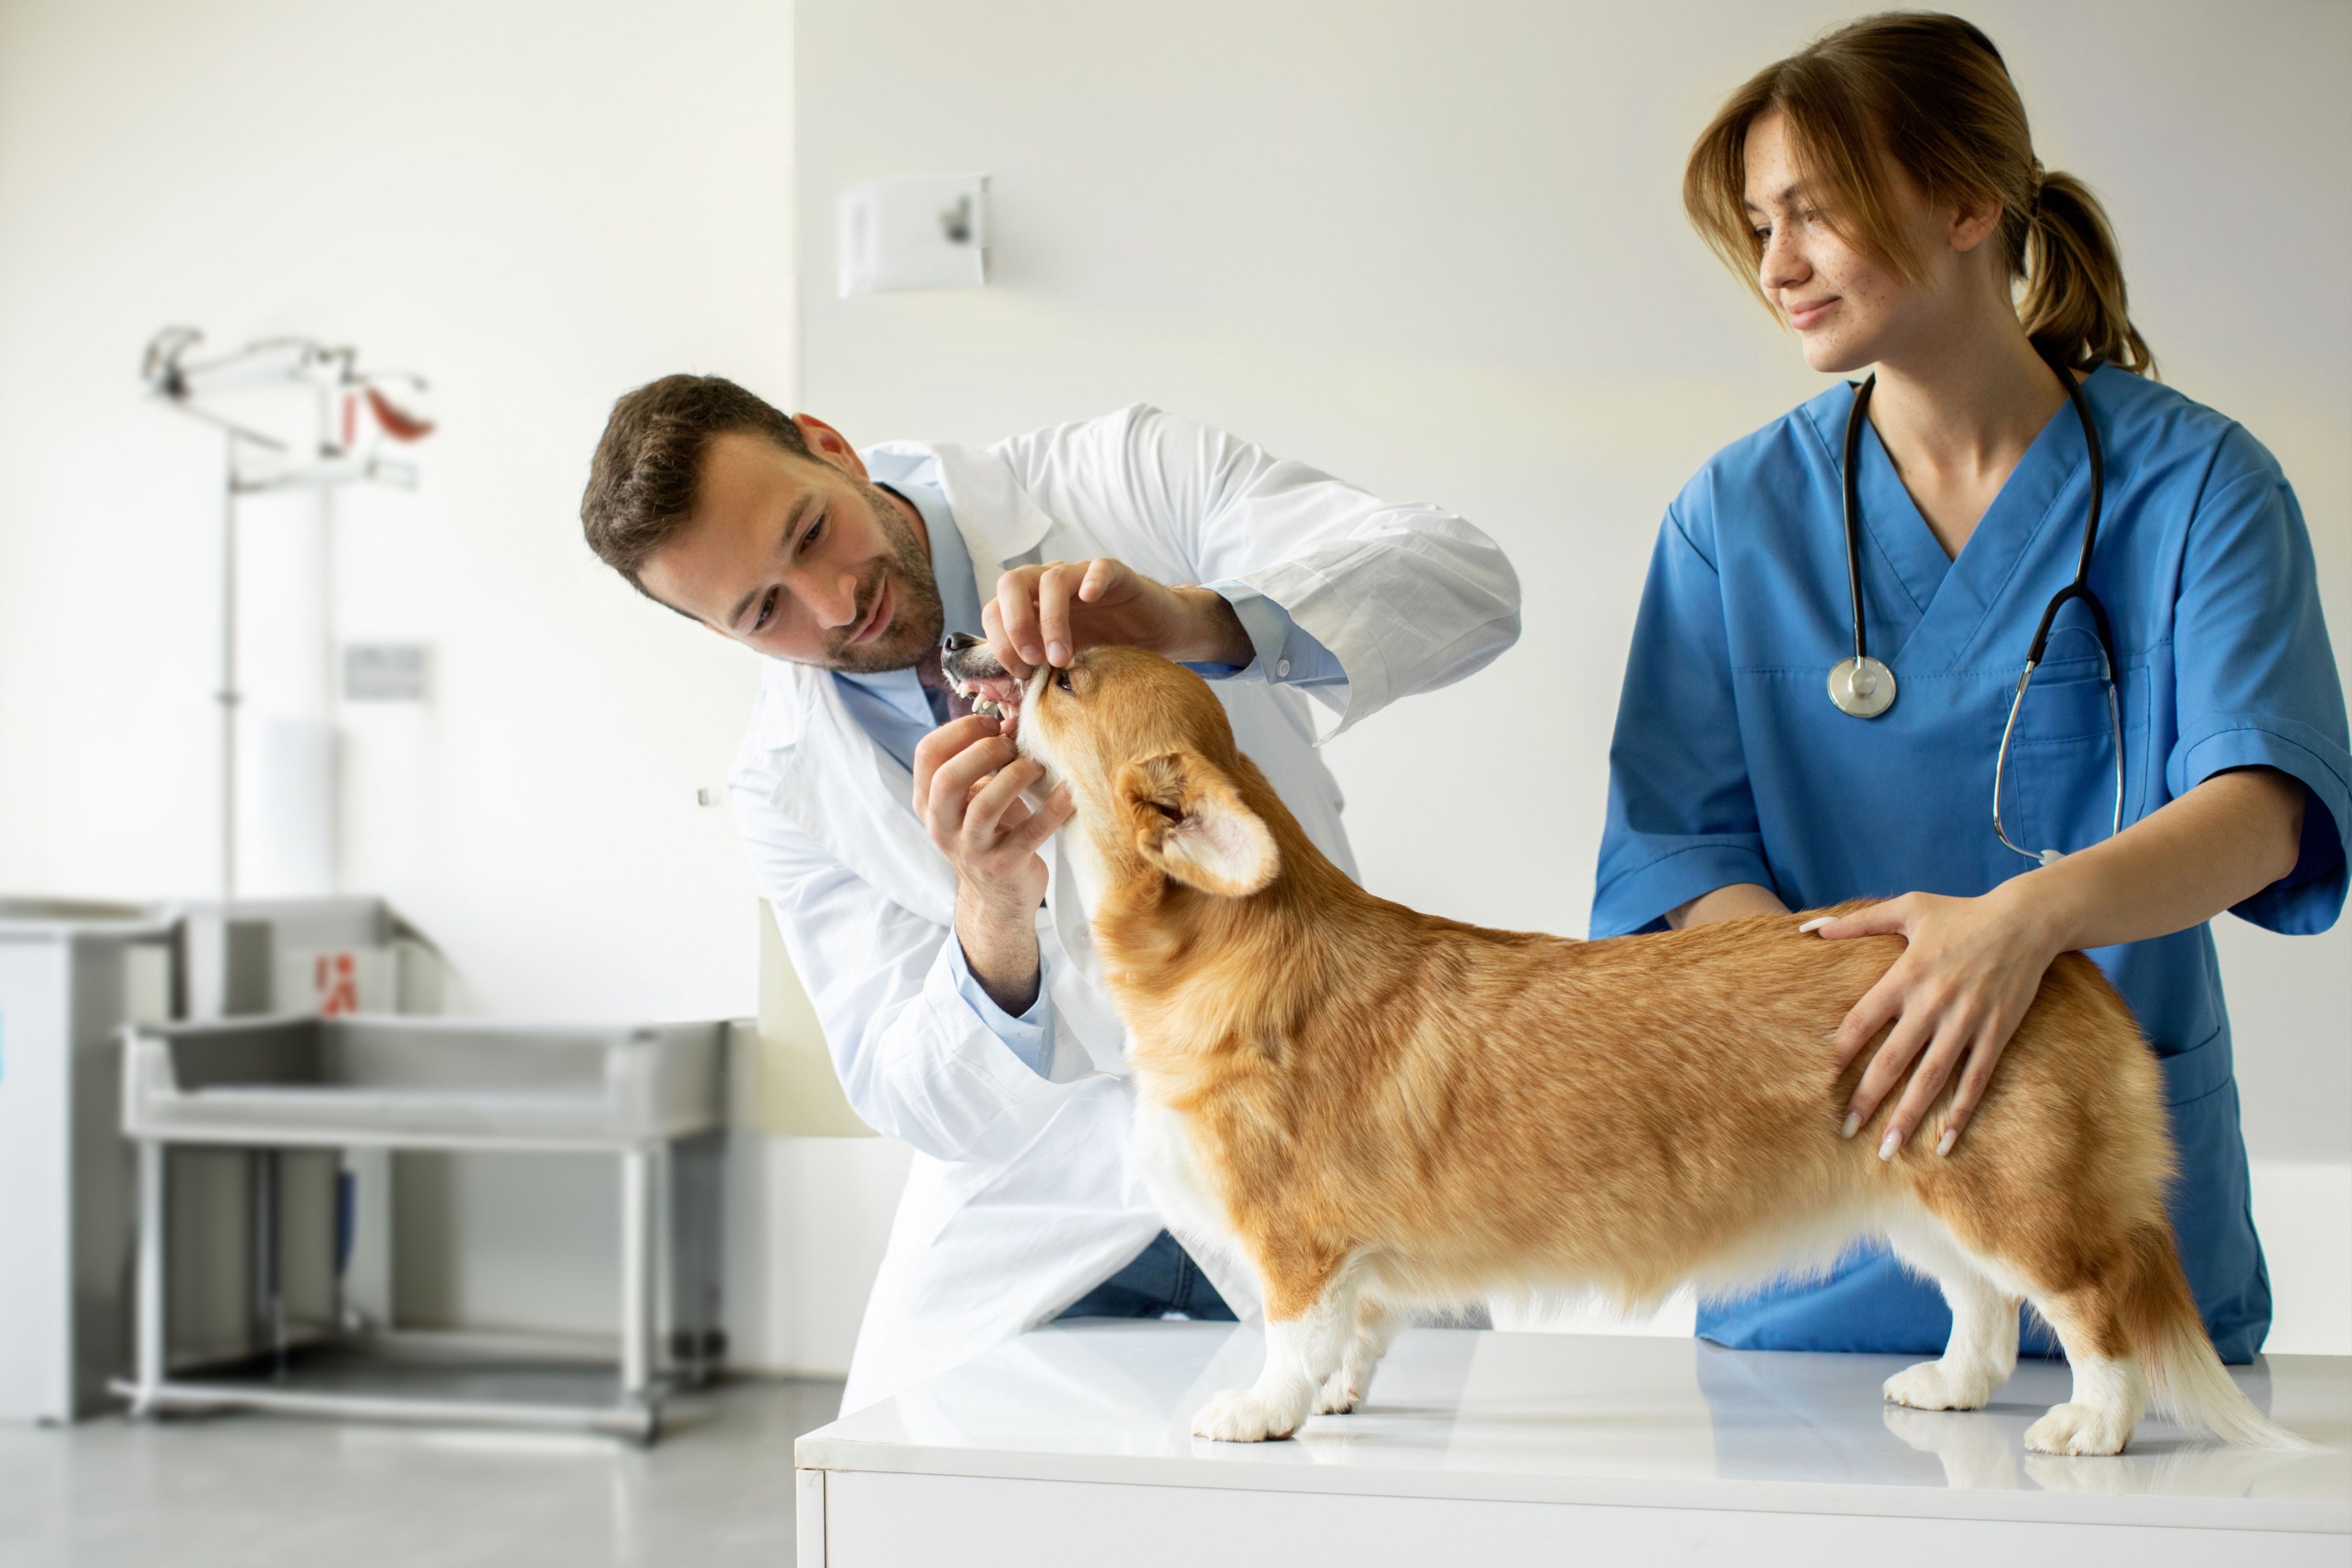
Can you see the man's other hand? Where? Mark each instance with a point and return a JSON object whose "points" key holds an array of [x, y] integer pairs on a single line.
{"points": [[1047, 614]]}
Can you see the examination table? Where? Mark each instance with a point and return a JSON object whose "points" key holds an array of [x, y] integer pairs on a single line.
{"points": [[1070, 1446]]}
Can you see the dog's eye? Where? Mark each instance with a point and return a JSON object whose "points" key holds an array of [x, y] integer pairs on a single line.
{"points": [[1062, 679]]}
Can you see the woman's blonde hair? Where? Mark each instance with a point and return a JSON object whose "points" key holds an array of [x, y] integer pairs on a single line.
{"points": [[1928, 94]]}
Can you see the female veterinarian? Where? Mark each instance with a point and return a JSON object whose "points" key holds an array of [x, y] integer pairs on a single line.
{"points": [[1823, 696]]}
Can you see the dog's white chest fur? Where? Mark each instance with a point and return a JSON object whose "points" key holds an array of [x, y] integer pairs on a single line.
{"points": [[1088, 877], [1179, 1186]]}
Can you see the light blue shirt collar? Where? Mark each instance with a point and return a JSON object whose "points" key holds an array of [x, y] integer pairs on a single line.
{"points": [[893, 707]]}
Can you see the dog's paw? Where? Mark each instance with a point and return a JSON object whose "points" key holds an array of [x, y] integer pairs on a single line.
{"points": [[1341, 1394], [1239, 1415], [2079, 1429], [1932, 1385]]}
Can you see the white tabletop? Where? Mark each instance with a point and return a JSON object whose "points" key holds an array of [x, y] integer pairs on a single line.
{"points": [[1665, 1423]]}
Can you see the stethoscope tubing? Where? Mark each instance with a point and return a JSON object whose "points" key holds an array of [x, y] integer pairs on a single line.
{"points": [[1854, 420], [1856, 416]]}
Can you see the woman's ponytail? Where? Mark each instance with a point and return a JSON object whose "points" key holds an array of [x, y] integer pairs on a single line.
{"points": [[2074, 306]]}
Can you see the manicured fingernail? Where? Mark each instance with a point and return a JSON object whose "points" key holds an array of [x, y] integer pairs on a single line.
{"points": [[1944, 1144], [1853, 1124], [1892, 1142], [1058, 652], [1816, 922]]}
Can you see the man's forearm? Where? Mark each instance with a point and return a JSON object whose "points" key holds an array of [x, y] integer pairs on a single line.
{"points": [[1000, 946], [1210, 632]]}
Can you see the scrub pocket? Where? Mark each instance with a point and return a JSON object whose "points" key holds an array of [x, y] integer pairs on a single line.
{"points": [[2058, 792], [2212, 1203], [2206, 1068]]}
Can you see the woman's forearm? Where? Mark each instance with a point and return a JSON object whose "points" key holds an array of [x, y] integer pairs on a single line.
{"points": [[1729, 902], [2219, 844]]}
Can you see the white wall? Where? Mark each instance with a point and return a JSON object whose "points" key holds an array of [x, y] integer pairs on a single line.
{"points": [[1439, 250], [497, 196], [538, 205]]}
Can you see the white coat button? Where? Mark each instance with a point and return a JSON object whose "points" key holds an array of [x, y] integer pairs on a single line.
{"points": [[1281, 667]]}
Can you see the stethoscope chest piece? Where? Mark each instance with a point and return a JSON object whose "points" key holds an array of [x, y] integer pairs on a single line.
{"points": [[1862, 686]]}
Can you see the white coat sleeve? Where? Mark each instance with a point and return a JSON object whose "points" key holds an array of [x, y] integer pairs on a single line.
{"points": [[1407, 596], [915, 1061]]}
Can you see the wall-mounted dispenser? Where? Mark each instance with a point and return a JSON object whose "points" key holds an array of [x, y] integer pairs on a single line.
{"points": [[929, 233]]}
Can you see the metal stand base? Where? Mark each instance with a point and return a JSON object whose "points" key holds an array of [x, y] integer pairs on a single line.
{"points": [[402, 1378], [612, 1385]]}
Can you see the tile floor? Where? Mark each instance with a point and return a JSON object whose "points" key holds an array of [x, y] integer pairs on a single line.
{"points": [[253, 1491]]}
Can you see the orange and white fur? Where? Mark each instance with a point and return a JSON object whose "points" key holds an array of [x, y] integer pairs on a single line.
{"points": [[1379, 1108]]}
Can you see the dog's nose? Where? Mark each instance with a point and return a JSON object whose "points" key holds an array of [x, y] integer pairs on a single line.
{"points": [[957, 641]]}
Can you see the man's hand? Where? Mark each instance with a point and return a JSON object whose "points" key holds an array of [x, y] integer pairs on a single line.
{"points": [[967, 785], [1046, 614]]}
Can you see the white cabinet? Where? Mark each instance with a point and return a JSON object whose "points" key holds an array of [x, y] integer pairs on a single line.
{"points": [[69, 975], [1072, 1446]]}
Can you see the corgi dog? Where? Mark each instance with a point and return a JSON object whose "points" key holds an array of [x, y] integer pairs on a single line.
{"points": [[1381, 1109]]}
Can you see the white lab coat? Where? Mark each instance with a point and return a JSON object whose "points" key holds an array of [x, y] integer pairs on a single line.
{"points": [[1021, 1196]]}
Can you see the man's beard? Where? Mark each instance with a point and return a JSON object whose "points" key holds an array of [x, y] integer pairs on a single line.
{"points": [[917, 619]]}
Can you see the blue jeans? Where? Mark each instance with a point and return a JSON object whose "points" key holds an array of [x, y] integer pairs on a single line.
{"points": [[1163, 1279]]}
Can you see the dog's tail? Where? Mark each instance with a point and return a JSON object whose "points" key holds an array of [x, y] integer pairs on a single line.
{"points": [[2185, 1380]]}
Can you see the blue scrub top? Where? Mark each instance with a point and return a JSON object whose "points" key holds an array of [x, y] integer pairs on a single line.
{"points": [[1731, 765]]}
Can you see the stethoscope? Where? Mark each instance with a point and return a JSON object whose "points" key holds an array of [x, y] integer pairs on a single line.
{"points": [[1865, 688]]}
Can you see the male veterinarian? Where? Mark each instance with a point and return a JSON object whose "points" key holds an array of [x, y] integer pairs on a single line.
{"points": [[923, 901]]}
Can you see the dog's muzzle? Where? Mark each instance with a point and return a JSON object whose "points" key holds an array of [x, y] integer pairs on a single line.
{"points": [[973, 672]]}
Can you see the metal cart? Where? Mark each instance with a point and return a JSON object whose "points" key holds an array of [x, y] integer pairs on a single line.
{"points": [[653, 1096]]}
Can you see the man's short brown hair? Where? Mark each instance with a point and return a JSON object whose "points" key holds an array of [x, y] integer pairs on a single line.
{"points": [[642, 481]]}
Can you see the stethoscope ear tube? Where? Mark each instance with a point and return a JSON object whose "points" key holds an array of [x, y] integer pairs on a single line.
{"points": [[2114, 725]]}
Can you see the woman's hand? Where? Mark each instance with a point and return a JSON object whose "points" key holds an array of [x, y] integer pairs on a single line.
{"points": [[1964, 982], [1045, 614], [1973, 965]]}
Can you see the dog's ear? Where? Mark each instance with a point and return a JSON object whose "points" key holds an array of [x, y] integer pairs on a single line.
{"points": [[1189, 821]]}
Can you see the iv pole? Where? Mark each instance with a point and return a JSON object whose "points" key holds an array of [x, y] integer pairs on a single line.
{"points": [[229, 695], [275, 362]]}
